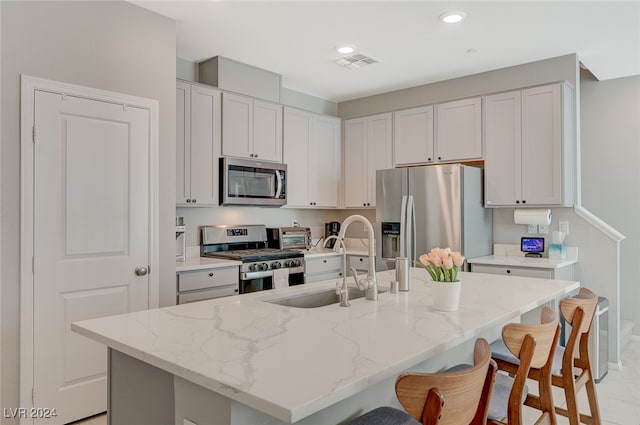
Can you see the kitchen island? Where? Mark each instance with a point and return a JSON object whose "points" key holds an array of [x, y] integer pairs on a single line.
{"points": [[242, 359]]}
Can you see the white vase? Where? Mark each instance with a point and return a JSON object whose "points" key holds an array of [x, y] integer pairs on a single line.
{"points": [[446, 295]]}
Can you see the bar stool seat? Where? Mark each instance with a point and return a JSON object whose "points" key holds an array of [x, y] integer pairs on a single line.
{"points": [[385, 416]]}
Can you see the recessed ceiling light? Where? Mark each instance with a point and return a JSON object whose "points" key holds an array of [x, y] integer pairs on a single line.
{"points": [[452, 17], [345, 48]]}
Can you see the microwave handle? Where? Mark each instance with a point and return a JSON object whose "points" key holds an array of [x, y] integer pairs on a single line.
{"points": [[279, 186]]}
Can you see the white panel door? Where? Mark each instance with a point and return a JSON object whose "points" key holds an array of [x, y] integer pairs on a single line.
{"points": [[413, 136], [297, 139], [542, 145], [324, 162], [380, 134], [355, 163], [267, 131], [237, 129], [502, 135], [91, 232], [459, 130], [204, 146]]}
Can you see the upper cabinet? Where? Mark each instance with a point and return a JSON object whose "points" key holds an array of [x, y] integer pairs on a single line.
{"points": [[413, 136], [447, 132], [251, 128], [530, 147], [368, 148], [312, 154], [459, 130], [197, 145]]}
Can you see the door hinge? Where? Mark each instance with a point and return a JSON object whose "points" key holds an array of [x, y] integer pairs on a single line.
{"points": [[33, 134]]}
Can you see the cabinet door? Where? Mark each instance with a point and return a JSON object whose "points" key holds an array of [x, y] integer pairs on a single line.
{"points": [[502, 135], [542, 145], [356, 173], [183, 136], [297, 139], [205, 145], [237, 129], [459, 130], [267, 131], [380, 152], [324, 162], [413, 136]]}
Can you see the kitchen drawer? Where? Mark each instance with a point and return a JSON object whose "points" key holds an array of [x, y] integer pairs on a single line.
{"points": [[323, 276], [209, 278], [361, 263], [513, 271], [322, 265], [217, 292]]}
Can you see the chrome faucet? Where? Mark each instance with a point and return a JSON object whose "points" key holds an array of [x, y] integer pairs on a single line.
{"points": [[368, 284], [344, 291]]}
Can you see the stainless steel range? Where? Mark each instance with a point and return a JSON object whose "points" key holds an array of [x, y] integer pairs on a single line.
{"points": [[261, 267]]}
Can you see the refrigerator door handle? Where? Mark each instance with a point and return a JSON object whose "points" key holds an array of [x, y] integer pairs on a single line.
{"points": [[411, 229], [403, 226]]}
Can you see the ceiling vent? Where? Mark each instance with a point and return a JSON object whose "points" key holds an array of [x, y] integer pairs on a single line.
{"points": [[356, 61]]}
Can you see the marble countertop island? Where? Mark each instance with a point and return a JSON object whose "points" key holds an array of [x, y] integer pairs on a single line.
{"points": [[290, 363]]}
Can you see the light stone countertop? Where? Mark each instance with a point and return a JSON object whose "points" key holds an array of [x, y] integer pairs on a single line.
{"points": [[203, 263], [255, 352]]}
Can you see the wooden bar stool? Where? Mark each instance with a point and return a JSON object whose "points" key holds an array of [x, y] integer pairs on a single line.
{"points": [[572, 372], [459, 397], [525, 351]]}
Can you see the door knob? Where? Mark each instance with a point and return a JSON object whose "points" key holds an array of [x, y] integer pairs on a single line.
{"points": [[142, 271]]}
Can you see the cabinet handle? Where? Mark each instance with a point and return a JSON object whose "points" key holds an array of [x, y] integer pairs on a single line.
{"points": [[508, 271], [324, 261], [193, 201], [211, 274], [429, 159], [517, 202], [361, 259], [340, 274], [524, 202], [439, 158], [188, 201], [255, 155]]}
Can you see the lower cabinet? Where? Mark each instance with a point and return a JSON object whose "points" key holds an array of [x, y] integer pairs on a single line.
{"points": [[562, 273], [206, 283], [323, 268], [360, 262]]}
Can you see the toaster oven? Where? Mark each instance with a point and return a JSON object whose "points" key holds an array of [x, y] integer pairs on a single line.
{"points": [[289, 237]]}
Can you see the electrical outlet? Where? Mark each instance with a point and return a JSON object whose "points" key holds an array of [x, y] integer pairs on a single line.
{"points": [[543, 229], [563, 226], [294, 223], [532, 229]]}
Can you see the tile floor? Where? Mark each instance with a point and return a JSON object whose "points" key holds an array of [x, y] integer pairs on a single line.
{"points": [[618, 394]]}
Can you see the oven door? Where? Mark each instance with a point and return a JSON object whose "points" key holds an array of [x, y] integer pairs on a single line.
{"points": [[255, 281], [246, 182]]}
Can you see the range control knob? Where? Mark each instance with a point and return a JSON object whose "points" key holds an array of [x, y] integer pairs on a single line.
{"points": [[264, 266], [276, 265], [253, 267], [288, 263], [296, 263]]}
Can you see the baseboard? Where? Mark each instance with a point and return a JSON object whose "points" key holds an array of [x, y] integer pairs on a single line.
{"points": [[615, 365]]}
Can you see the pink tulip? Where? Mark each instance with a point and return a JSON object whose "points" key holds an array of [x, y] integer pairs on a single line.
{"points": [[458, 259], [424, 259], [447, 263], [435, 259]]}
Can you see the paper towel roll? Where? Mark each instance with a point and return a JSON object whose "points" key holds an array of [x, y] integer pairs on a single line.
{"points": [[532, 216]]}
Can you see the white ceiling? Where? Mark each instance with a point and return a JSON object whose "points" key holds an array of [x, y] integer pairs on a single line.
{"points": [[297, 38]]}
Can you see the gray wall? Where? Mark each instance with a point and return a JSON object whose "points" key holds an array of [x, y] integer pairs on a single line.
{"points": [[530, 74], [112, 46], [188, 71], [610, 172]]}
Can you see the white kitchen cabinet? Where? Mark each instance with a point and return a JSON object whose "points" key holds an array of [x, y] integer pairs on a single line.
{"points": [[458, 132], [323, 268], [368, 148], [197, 144], [562, 273], [360, 262], [312, 154], [413, 136], [530, 147], [206, 283], [251, 128]]}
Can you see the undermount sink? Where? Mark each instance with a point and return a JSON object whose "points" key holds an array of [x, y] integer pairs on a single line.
{"points": [[317, 299]]}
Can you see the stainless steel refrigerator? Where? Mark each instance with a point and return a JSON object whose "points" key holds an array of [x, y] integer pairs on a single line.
{"points": [[420, 208]]}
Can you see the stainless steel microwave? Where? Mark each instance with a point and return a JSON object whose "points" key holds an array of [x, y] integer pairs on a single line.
{"points": [[249, 182]]}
